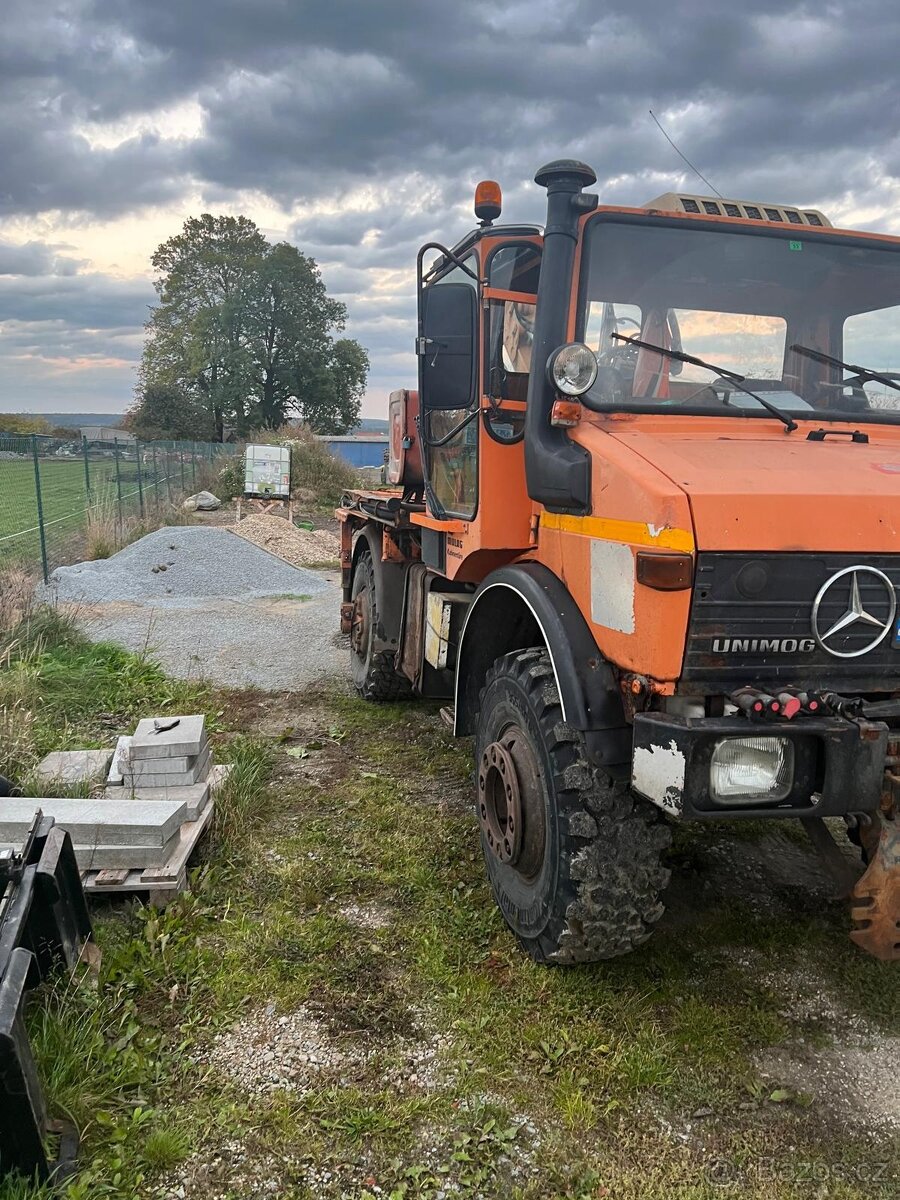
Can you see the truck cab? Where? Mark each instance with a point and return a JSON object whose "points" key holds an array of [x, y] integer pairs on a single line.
{"points": [[643, 537]]}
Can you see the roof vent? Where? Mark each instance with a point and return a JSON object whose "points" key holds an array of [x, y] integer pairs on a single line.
{"points": [[710, 206]]}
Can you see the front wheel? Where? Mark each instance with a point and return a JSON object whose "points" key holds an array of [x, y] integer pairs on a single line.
{"points": [[373, 671], [573, 857]]}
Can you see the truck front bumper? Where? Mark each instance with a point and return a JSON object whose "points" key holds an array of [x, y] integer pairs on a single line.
{"points": [[837, 765]]}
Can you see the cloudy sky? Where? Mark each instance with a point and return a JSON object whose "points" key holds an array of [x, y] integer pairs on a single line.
{"points": [[358, 130]]}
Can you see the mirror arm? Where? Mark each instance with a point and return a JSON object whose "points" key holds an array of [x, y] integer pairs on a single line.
{"points": [[446, 255], [448, 437]]}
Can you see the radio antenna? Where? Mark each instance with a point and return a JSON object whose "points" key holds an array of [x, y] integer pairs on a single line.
{"points": [[684, 156]]}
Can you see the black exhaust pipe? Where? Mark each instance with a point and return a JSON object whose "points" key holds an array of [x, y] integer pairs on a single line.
{"points": [[558, 471]]}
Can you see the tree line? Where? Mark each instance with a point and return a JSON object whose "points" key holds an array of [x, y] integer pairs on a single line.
{"points": [[243, 337]]}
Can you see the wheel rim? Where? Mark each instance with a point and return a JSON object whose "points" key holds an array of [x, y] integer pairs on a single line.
{"points": [[511, 803], [359, 624]]}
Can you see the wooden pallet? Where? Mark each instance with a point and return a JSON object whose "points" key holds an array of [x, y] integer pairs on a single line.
{"points": [[268, 506], [163, 883]]}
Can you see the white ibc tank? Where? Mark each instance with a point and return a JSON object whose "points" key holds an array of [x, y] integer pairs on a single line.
{"points": [[267, 471]]}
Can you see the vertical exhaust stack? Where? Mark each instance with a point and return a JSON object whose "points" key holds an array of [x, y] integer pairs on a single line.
{"points": [[557, 470]]}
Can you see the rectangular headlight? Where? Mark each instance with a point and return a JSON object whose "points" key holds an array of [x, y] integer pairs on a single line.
{"points": [[751, 770]]}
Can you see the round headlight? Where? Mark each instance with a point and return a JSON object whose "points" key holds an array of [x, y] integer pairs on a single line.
{"points": [[572, 369]]}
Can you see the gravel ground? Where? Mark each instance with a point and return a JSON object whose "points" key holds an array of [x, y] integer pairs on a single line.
{"points": [[207, 604]]}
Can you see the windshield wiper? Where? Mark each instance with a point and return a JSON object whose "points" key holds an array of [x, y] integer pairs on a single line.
{"points": [[738, 380], [863, 374]]}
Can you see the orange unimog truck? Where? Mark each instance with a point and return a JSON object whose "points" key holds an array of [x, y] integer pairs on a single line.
{"points": [[645, 535]]}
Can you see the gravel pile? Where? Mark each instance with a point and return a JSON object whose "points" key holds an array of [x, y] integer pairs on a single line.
{"points": [[300, 547], [208, 605], [177, 564]]}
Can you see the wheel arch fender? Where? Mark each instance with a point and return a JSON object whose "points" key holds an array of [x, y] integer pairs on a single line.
{"points": [[526, 605], [390, 586]]}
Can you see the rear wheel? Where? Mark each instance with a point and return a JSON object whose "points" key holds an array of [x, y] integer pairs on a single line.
{"points": [[374, 675], [573, 857]]}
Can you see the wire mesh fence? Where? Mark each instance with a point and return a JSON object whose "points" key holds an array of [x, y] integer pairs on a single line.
{"points": [[62, 501]]}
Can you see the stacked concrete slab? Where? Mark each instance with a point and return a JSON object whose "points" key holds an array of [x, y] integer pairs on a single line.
{"points": [[156, 803], [165, 761], [104, 835]]}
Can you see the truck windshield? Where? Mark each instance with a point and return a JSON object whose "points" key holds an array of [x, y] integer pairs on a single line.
{"points": [[755, 303]]}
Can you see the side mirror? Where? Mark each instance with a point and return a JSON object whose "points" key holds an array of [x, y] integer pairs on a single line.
{"points": [[449, 313]]}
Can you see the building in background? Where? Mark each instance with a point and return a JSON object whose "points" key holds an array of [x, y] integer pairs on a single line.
{"points": [[364, 450], [106, 433]]}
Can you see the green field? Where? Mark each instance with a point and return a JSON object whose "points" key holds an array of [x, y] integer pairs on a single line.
{"points": [[65, 501]]}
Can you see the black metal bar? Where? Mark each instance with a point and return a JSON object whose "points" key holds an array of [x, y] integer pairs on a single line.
{"points": [[45, 923], [137, 455], [40, 509], [23, 1120], [119, 490], [155, 480], [87, 468]]}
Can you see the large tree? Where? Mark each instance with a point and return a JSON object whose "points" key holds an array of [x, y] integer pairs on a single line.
{"points": [[332, 396], [166, 410], [246, 329]]}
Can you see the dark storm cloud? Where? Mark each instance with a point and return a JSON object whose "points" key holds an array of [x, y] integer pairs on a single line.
{"points": [[90, 301], [304, 98], [36, 258], [376, 119]]}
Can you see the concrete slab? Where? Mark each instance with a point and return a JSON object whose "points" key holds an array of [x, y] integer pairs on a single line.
{"points": [[184, 741], [163, 766], [104, 822], [195, 796], [74, 766], [105, 858], [120, 759], [170, 778]]}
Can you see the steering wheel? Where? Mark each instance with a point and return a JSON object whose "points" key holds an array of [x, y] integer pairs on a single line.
{"points": [[615, 366]]}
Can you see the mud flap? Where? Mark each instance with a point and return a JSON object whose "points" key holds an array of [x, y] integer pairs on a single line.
{"points": [[875, 901]]}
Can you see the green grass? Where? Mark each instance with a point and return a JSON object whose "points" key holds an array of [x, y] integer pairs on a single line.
{"points": [[543, 1083], [64, 501], [62, 493]]}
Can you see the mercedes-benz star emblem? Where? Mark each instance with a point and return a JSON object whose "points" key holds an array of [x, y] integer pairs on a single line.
{"points": [[856, 613]]}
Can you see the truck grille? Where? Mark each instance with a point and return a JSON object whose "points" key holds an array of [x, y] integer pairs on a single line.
{"points": [[752, 622]]}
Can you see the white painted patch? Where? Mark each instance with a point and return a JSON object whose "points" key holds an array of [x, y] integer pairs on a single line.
{"points": [[612, 585], [658, 774]]}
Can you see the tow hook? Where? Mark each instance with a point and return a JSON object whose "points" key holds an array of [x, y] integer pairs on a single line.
{"points": [[875, 900]]}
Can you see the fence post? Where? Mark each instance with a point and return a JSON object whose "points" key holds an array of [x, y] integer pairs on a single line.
{"points": [[168, 469], [181, 456], [40, 508], [155, 480], [194, 465], [87, 469], [137, 455], [119, 491]]}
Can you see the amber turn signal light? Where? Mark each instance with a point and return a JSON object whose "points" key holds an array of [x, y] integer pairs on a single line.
{"points": [[488, 200], [565, 413], [664, 571]]}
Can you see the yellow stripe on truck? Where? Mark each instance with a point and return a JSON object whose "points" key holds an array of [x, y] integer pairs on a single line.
{"points": [[664, 537]]}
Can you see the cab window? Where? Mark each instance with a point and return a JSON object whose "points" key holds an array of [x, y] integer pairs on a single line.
{"points": [[871, 338], [511, 333]]}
